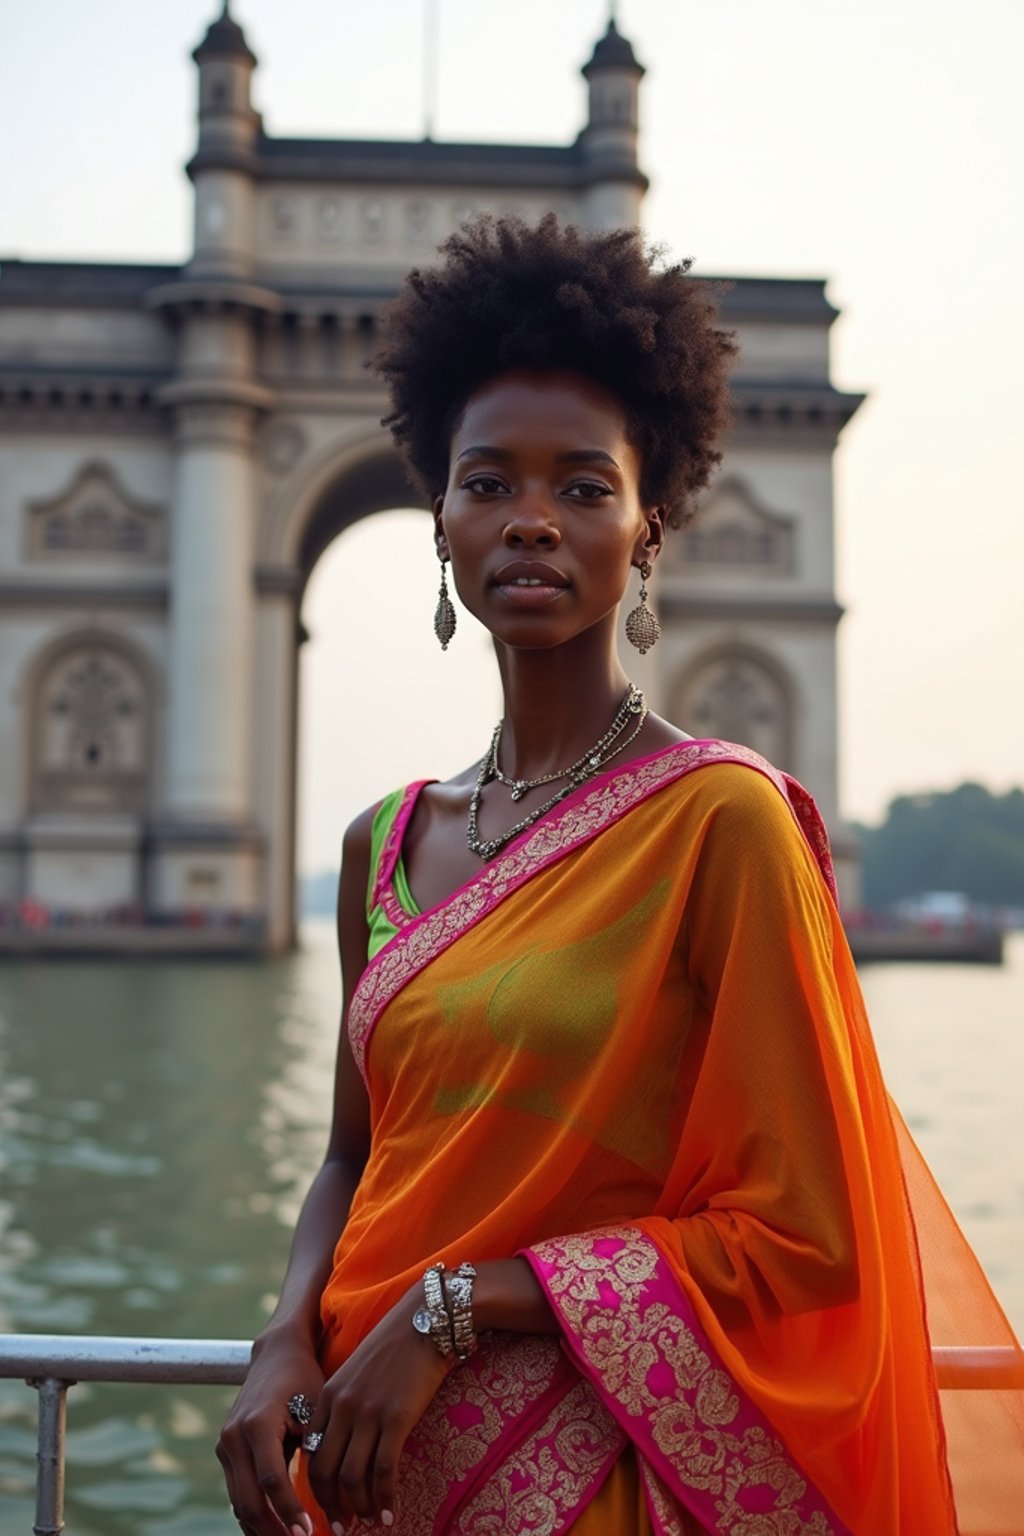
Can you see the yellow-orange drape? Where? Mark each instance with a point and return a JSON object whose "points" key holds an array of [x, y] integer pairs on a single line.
{"points": [[645, 1016]]}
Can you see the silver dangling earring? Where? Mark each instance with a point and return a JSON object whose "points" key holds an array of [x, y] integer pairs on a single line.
{"points": [[642, 627], [444, 613]]}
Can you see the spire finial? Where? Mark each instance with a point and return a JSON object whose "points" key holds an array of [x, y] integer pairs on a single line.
{"points": [[431, 31]]}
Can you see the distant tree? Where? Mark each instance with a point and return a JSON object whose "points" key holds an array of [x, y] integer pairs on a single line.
{"points": [[963, 839]]}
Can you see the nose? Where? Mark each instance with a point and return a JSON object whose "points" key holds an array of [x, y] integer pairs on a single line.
{"points": [[532, 524]]}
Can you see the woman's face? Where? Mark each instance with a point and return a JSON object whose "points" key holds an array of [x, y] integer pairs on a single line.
{"points": [[542, 516]]}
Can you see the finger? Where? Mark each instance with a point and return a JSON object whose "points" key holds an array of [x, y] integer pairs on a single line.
{"points": [[249, 1452], [355, 1475], [324, 1465], [385, 1467], [278, 1490], [227, 1462]]}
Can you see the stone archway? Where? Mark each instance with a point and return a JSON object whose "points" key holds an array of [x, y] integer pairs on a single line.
{"points": [[331, 492]]}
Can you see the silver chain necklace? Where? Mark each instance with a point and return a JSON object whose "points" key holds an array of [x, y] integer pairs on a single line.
{"points": [[593, 756], [633, 706]]}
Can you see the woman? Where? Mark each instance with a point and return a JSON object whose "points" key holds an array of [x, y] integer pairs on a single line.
{"points": [[612, 1234]]}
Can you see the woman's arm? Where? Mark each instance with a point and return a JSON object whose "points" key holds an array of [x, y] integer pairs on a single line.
{"points": [[325, 1211], [258, 1436]]}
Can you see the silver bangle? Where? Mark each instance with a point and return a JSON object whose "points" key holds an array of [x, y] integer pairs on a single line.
{"points": [[432, 1318], [458, 1289]]}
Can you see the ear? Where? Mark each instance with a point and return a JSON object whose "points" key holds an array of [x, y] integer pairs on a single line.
{"points": [[655, 522], [440, 541]]}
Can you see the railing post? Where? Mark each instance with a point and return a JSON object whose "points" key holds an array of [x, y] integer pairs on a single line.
{"points": [[50, 1455]]}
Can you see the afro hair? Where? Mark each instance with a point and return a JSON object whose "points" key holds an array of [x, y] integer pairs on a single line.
{"points": [[509, 295]]}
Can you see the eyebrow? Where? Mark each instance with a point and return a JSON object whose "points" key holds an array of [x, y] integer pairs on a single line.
{"points": [[573, 456]]}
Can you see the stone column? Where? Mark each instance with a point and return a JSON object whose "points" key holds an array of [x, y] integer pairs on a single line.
{"points": [[278, 637], [206, 848], [210, 660]]}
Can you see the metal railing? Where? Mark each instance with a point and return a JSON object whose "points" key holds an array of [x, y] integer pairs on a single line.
{"points": [[54, 1362]]}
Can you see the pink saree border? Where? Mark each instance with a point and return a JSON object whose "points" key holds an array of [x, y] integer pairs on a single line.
{"points": [[634, 1335], [546, 1482], [581, 817], [514, 1428]]}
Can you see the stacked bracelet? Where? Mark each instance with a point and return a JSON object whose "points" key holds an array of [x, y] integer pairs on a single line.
{"points": [[432, 1318], [447, 1310], [459, 1296]]}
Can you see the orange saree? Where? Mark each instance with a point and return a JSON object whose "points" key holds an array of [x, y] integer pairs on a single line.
{"points": [[633, 1050]]}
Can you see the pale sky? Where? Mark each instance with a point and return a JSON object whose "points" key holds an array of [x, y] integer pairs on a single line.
{"points": [[877, 144]]}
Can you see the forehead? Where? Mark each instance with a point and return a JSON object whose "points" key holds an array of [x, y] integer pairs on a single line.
{"points": [[543, 406]]}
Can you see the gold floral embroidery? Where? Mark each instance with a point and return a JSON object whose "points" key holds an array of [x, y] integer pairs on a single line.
{"points": [[671, 1519], [696, 1428], [539, 1487], [415, 945], [472, 1410]]}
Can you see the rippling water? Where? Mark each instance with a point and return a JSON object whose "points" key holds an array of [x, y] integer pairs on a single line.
{"points": [[159, 1124]]}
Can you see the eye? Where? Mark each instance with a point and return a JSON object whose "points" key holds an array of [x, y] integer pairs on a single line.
{"points": [[484, 485], [588, 490]]}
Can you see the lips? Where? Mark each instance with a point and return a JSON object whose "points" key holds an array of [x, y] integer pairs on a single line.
{"points": [[529, 575]]}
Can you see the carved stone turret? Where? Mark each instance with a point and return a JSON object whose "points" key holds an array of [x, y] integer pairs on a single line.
{"points": [[609, 140], [222, 167]]}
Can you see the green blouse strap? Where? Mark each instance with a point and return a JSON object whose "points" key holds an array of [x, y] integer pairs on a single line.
{"points": [[389, 900]]}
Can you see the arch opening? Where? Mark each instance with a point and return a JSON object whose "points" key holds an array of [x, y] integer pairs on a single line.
{"points": [[376, 702]]}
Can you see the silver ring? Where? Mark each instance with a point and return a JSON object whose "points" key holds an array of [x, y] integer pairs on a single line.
{"points": [[312, 1441], [300, 1408]]}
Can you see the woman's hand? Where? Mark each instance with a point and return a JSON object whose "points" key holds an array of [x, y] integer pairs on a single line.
{"points": [[366, 1412], [259, 1439]]}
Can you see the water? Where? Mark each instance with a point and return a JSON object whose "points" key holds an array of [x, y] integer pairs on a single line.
{"points": [[159, 1124]]}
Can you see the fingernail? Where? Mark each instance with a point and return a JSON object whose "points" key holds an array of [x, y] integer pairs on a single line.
{"points": [[303, 1526], [337, 1528], [386, 1517]]}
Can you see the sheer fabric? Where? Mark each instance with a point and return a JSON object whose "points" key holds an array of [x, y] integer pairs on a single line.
{"points": [[634, 1050]]}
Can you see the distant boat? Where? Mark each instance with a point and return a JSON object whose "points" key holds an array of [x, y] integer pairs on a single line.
{"points": [[939, 925]]}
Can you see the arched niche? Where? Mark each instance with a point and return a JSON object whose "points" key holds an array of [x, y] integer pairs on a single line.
{"points": [[739, 693], [90, 699]]}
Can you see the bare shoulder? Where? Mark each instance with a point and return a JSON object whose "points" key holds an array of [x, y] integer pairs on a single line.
{"points": [[355, 845], [353, 933], [658, 733], [443, 800]]}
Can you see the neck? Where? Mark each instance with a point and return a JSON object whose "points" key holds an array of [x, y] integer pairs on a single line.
{"points": [[557, 703]]}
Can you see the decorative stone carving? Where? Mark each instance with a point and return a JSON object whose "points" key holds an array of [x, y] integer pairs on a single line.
{"points": [[733, 529], [95, 518], [371, 220], [284, 217], [283, 443], [418, 222], [735, 696], [329, 220], [91, 731]]}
